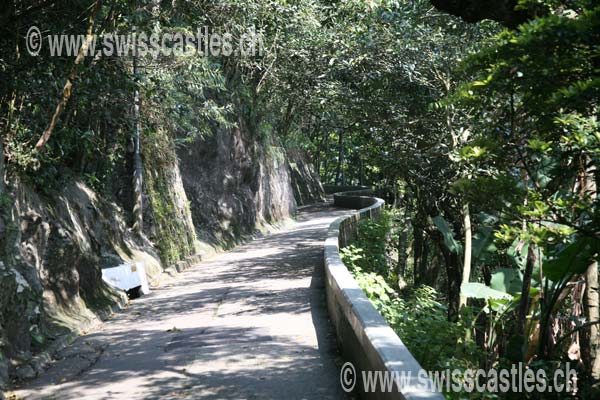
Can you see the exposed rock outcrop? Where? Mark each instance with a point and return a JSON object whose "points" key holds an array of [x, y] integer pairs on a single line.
{"points": [[305, 181], [53, 249], [208, 194], [235, 184]]}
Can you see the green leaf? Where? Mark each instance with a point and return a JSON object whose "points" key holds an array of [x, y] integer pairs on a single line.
{"points": [[518, 252], [483, 243], [447, 234], [573, 258], [480, 291], [507, 280]]}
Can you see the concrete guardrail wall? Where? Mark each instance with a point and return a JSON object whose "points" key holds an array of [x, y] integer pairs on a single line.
{"points": [[365, 338], [331, 189]]}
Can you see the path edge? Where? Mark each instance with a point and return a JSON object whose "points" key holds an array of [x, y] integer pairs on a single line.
{"points": [[364, 337]]}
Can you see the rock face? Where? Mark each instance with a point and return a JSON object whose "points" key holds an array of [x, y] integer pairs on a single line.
{"points": [[234, 184], [167, 215], [305, 181], [52, 252], [210, 193]]}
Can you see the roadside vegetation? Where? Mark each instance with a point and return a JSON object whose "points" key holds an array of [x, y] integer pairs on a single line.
{"points": [[482, 136], [484, 140]]}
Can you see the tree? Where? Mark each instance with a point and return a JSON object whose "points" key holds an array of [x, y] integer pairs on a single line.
{"points": [[537, 111], [138, 171], [66, 92]]}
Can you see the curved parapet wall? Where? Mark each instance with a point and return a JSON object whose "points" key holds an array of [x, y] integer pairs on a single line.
{"points": [[365, 338], [331, 189], [358, 199]]}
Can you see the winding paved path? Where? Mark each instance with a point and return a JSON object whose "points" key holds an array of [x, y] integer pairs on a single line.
{"points": [[248, 324]]}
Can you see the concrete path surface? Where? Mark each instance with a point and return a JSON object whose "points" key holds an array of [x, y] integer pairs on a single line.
{"points": [[249, 324]]}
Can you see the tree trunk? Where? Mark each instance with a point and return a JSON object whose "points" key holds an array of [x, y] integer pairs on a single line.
{"points": [[524, 304], [66, 94], [402, 249], [417, 253], [423, 265], [138, 206], [591, 349], [339, 176], [591, 304], [1, 166], [324, 165], [361, 172], [452, 261], [466, 274], [320, 149]]}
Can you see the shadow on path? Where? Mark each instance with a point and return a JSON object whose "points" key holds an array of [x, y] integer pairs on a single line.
{"points": [[251, 323]]}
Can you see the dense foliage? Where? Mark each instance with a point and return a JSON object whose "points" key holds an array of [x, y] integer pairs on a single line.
{"points": [[418, 315], [486, 143], [484, 139], [65, 118]]}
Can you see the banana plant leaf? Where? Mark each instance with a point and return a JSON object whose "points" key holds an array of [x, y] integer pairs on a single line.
{"points": [[573, 258], [483, 243], [447, 234], [480, 291], [507, 280]]}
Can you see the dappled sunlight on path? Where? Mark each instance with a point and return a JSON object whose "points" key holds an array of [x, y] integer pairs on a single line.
{"points": [[250, 323]]}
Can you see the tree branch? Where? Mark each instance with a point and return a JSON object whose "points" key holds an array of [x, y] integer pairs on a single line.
{"points": [[66, 94]]}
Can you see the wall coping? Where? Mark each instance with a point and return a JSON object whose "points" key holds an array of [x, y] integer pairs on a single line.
{"points": [[349, 306]]}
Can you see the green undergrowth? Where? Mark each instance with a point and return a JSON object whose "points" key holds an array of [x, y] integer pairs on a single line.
{"points": [[416, 314]]}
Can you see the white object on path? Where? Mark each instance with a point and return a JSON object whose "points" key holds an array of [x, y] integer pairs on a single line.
{"points": [[127, 276]]}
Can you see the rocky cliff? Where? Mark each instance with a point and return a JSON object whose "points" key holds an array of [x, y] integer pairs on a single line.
{"points": [[208, 194], [306, 183], [52, 251], [235, 183]]}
